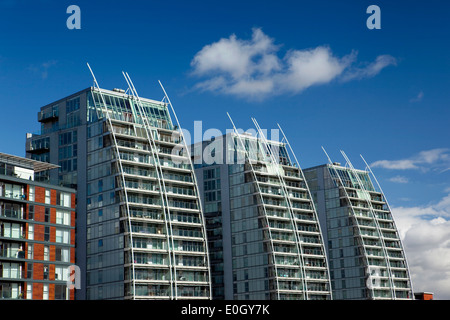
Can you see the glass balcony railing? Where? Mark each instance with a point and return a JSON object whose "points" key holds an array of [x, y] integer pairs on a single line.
{"points": [[190, 261], [11, 213], [183, 205], [146, 214], [314, 263], [304, 217], [290, 286], [288, 261], [193, 292], [141, 185], [19, 235], [149, 291], [288, 273], [310, 239], [282, 237], [48, 115], [307, 228], [280, 214], [180, 191], [187, 233], [299, 205], [280, 225], [144, 200], [12, 253], [185, 218], [148, 229], [139, 172], [18, 195], [310, 251]]}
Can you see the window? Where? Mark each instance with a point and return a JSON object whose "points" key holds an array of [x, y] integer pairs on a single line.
{"points": [[11, 270], [61, 273], [47, 234], [62, 236], [45, 292], [46, 272], [47, 215], [31, 194], [62, 254], [29, 271], [11, 230], [29, 291], [13, 191], [63, 217], [60, 292], [30, 251], [46, 253], [72, 105], [30, 212], [47, 196], [63, 199], [30, 232]]}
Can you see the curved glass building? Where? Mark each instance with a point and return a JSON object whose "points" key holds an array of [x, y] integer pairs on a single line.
{"points": [[264, 236], [366, 256], [140, 227]]}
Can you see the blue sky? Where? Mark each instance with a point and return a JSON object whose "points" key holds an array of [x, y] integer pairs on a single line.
{"points": [[380, 93]]}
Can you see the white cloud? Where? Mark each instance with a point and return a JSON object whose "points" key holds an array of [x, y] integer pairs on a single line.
{"points": [[418, 98], [371, 69], [236, 57], [306, 68], [425, 232], [43, 68], [399, 179], [253, 68], [395, 164], [434, 159]]}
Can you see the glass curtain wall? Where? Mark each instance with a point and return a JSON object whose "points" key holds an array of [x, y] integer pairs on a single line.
{"points": [[365, 250], [278, 251], [146, 235]]}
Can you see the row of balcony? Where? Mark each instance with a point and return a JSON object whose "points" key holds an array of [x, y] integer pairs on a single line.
{"points": [[158, 216]]}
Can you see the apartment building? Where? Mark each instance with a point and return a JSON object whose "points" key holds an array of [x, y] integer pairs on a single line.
{"points": [[37, 232], [264, 236], [140, 227], [365, 253]]}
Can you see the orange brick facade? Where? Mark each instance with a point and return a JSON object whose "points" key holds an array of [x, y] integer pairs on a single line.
{"points": [[39, 242]]}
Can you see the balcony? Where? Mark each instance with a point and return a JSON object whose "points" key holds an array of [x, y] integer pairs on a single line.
{"points": [[45, 116], [185, 219], [183, 205], [187, 233], [38, 146], [313, 252], [18, 235], [192, 292], [11, 213], [147, 215]]}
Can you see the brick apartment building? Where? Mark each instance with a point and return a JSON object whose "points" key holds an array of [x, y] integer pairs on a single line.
{"points": [[37, 232]]}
